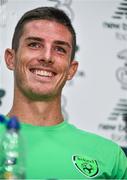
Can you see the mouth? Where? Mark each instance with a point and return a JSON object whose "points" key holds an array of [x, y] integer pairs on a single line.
{"points": [[42, 73]]}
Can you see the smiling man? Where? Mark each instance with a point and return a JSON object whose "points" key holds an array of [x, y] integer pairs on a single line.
{"points": [[42, 59]]}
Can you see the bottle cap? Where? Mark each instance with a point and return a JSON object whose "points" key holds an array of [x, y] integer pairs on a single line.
{"points": [[2, 118], [13, 123]]}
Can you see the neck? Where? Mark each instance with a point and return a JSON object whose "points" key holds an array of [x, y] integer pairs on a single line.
{"points": [[40, 113]]}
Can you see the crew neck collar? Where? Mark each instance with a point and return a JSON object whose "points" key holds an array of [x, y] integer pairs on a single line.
{"points": [[52, 127]]}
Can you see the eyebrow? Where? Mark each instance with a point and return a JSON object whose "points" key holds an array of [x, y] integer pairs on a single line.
{"points": [[58, 42], [34, 38], [62, 43]]}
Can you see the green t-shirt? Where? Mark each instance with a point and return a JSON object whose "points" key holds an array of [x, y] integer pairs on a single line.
{"points": [[65, 152]]}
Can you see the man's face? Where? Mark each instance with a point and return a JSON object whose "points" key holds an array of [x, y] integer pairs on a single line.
{"points": [[42, 63]]}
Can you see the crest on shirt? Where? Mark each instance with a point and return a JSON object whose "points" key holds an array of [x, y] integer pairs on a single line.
{"points": [[86, 165]]}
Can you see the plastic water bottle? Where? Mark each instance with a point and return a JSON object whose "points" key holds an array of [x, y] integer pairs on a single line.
{"points": [[12, 160]]}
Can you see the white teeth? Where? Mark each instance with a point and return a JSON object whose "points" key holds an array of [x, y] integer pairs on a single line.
{"points": [[43, 73]]}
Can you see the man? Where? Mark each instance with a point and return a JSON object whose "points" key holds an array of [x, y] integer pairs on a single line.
{"points": [[42, 59]]}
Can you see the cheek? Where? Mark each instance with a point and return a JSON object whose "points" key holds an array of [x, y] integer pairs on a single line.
{"points": [[19, 67], [62, 64], [22, 59]]}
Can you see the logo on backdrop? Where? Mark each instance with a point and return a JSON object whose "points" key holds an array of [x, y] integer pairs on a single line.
{"points": [[3, 13], [119, 26], [121, 11], [119, 21], [65, 5], [121, 72], [116, 125], [2, 93]]}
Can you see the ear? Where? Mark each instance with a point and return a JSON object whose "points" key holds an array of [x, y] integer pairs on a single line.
{"points": [[72, 69], [10, 58]]}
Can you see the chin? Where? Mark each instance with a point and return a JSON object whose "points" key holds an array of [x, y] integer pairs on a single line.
{"points": [[41, 95]]}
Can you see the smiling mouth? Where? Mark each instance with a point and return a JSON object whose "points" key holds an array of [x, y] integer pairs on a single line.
{"points": [[43, 73]]}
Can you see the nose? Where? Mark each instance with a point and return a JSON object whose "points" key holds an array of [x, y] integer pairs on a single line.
{"points": [[46, 55]]}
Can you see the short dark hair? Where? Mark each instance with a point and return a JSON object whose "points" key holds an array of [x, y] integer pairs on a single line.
{"points": [[46, 13]]}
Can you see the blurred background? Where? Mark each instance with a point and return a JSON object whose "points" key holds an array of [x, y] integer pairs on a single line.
{"points": [[96, 99]]}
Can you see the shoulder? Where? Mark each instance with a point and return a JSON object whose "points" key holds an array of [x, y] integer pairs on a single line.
{"points": [[96, 141], [107, 153], [90, 135]]}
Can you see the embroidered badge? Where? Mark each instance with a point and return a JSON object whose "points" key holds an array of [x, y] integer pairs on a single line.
{"points": [[86, 165]]}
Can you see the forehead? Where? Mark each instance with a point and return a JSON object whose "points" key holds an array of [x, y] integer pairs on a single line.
{"points": [[47, 29]]}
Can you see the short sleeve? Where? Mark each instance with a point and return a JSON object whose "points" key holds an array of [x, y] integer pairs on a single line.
{"points": [[120, 167]]}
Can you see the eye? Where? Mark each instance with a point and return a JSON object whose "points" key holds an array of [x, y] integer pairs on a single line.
{"points": [[60, 49], [35, 45]]}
